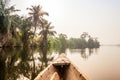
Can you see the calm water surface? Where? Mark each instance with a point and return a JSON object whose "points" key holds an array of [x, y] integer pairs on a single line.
{"points": [[100, 64], [96, 64]]}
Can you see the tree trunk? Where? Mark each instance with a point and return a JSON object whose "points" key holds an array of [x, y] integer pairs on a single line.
{"points": [[4, 38]]}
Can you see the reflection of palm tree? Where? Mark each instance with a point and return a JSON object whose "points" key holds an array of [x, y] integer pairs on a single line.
{"points": [[16, 62], [10, 69], [85, 54], [27, 65], [96, 50], [24, 65], [90, 51], [2, 65], [44, 59]]}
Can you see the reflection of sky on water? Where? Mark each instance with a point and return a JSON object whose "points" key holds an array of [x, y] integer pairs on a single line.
{"points": [[103, 65]]}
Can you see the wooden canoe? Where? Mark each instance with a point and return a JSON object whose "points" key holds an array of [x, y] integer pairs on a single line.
{"points": [[61, 69]]}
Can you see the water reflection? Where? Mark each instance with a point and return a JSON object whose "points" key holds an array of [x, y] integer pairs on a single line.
{"points": [[85, 53], [27, 62], [45, 58]]}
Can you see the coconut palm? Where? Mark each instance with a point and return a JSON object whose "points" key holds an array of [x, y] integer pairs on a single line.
{"points": [[26, 31], [84, 35], [5, 20], [36, 15], [46, 32], [3, 17]]}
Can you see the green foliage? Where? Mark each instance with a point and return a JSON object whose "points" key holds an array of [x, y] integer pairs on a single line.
{"points": [[55, 43], [61, 43], [45, 33], [62, 38], [76, 43], [4, 24], [12, 42], [83, 43], [26, 33], [5, 16], [7, 23], [58, 43], [90, 43]]}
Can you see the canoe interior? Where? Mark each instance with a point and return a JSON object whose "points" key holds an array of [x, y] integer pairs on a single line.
{"points": [[61, 69]]}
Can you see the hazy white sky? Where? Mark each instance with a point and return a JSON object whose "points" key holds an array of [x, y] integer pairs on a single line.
{"points": [[100, 18]]}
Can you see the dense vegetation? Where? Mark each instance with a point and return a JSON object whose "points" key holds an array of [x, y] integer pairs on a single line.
{"points": [[36, 31], [85, 41]]}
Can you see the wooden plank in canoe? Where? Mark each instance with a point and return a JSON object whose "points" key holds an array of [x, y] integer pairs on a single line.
{"points": [[55, 76], [61, 61]]}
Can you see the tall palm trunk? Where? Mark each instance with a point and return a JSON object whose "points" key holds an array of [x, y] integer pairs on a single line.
{"points": [[35, 28]]}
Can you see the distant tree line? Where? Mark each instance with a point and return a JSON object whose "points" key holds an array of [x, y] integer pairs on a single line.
{"points": [[85, 41]]}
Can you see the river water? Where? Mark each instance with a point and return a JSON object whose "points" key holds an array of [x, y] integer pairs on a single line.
{"points": [[96, 64], [99, 64]]}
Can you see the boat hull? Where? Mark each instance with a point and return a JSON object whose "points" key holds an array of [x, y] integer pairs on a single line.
{"points": [[61, 69]]}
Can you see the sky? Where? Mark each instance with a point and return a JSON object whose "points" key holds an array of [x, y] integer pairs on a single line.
{"points": [[100, 18]]}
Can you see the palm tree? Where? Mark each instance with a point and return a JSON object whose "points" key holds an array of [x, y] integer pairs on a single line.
{"points": [[90, 43], [5, 20], [36, 15], [6, 16], [46, 32], [26, 31], [16, 24], [84, 35]]}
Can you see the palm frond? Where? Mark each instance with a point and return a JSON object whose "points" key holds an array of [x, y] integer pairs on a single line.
{"points": [[44, 13]]}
